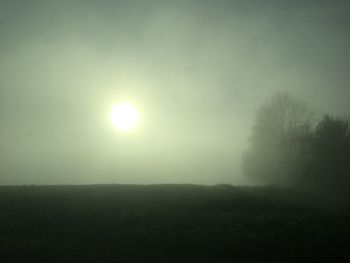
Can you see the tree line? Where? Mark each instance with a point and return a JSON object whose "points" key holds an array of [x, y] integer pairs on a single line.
{"points": [[288, 148]]}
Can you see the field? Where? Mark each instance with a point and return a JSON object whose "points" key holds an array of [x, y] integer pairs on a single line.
{"points": [[170, 223]]}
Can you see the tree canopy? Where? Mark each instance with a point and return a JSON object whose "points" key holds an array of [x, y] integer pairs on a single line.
{"points": [[285, 150], [281, 127]]}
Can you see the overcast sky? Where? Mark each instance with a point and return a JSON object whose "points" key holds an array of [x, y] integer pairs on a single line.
{"points": [[197, 71]]}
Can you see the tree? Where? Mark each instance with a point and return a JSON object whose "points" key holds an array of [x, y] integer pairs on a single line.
{"points": [[330, 168], [278, 145]]}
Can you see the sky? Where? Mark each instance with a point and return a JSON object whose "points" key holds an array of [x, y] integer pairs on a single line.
{"points": [[197, 70]]}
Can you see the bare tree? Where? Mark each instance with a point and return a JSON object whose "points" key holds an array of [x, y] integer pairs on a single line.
{"points": [[281, 129]]}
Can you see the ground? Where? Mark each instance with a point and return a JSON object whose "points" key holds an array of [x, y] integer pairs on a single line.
{"points": [[170, 223]]}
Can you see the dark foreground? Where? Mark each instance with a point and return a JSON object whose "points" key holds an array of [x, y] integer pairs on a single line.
{"points": [[170, 223]]}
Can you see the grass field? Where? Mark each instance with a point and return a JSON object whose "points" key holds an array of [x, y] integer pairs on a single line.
{"points": [[170, 223]]}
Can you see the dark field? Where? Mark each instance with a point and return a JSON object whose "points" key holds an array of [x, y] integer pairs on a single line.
{"points": [[170, 223]]}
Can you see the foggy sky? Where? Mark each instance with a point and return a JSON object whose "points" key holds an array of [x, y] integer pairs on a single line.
{"points": [[197, 71]]}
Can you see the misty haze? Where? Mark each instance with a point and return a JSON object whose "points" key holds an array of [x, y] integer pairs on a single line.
{"points": [[174, 131]]}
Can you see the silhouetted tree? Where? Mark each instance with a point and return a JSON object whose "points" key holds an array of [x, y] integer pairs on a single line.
{"points": [[330, 166], [279, 144]]}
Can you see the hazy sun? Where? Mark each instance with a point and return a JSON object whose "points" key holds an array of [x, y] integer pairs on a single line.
{"points": [[125, 116]]}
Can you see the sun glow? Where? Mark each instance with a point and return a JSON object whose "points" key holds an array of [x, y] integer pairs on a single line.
{"points": [[125, 116]]}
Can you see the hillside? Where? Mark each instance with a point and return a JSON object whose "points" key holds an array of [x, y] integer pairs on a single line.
{"points": [[170, 223]]}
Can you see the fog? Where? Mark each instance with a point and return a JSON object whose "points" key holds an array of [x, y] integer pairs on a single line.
{"points": [[196, 70]]}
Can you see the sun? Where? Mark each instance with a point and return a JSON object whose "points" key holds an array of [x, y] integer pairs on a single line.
{"points": [[125, 116]]}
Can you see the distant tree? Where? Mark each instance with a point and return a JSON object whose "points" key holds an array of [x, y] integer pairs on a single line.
{"points": [[330, 166], [279, 143]]}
